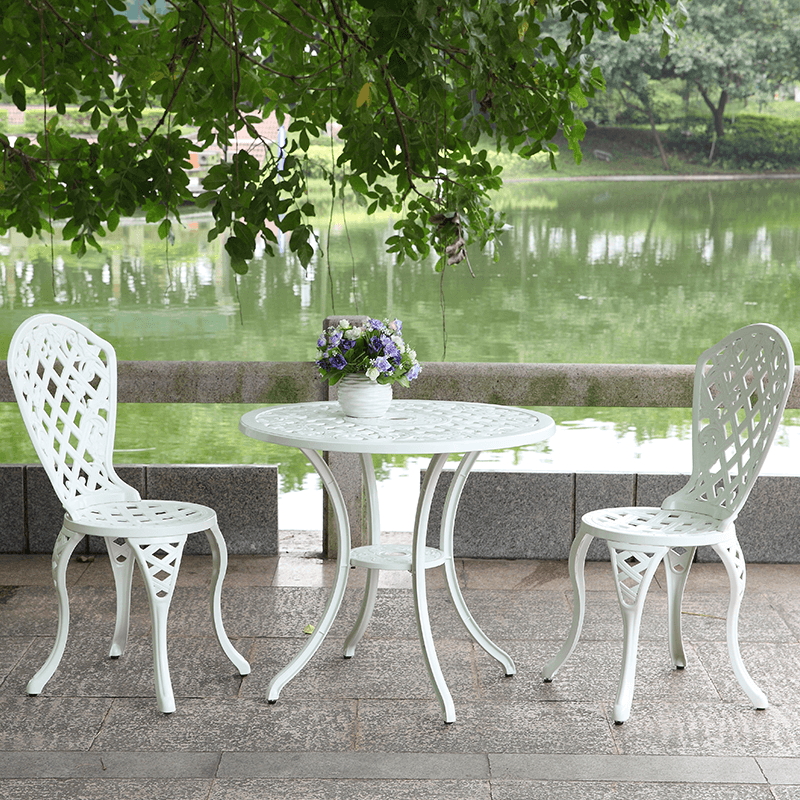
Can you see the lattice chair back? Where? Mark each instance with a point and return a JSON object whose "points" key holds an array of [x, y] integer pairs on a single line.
{"points": [[65, 380], [740, 391]]}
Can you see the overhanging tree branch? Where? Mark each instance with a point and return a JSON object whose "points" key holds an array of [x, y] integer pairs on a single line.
{"points": [[486, 67]]}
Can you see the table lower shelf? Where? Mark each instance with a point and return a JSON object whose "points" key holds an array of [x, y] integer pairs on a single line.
{"points": [[392, 556]]}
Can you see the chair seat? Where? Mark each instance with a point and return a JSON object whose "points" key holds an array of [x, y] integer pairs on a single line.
{"points": [[142, 518], [656, 526]]}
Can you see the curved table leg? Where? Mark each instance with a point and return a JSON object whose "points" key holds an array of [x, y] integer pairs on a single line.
{"points": [[371, 589], [446, 545], [339, 584], [420, 597]]}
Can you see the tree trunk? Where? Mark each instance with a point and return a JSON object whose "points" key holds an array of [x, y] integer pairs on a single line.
{"points": [[717, 111], [660, 146], [644, 105]]}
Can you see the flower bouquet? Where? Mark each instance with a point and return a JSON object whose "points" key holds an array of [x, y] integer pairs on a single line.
{"points": [[375, 349], [366, 360]]}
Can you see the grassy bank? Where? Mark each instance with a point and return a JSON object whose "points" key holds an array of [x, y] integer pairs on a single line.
{"points": [[632, 151]]}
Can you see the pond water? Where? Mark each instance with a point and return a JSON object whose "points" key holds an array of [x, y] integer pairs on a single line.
{"points": [[599, 271]]}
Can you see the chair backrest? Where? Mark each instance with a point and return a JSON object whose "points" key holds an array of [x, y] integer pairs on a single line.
{"points": [[741, 386], [65, 382]]}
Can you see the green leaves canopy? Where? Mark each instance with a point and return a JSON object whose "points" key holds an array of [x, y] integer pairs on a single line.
{"points": [[411, 87], [731, 49]]}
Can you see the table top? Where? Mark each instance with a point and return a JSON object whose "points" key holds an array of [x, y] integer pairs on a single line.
{"points": [[408, 427]]}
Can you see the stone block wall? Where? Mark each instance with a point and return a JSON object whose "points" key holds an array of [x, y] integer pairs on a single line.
{"points": [[502, 515], [536, 515], [244, 497]]}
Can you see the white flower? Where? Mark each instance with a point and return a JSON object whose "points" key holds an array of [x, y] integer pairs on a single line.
{"points": [[352, 333], [412, 354], [372, 373], [398, 340], [343, 324]]}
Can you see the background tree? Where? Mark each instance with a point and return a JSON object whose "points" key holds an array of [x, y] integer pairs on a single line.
{"points": [[736, 49], [413, 88], [632, 69]]}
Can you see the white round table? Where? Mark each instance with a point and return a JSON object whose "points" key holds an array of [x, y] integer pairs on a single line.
{"points": [[409, 427]]}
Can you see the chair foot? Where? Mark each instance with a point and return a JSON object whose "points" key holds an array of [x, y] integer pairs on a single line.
{"points": [[618, 723]]}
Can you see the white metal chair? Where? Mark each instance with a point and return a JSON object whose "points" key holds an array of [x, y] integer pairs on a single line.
{"points": [[65, 382], [741, 387]]}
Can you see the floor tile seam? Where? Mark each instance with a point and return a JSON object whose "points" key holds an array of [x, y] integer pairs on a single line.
{"points": [[31, 642], [630, 768], [780, 770], [102, 724]]}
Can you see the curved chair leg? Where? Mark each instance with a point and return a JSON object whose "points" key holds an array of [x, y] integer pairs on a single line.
{"points": [[731, 555], [577, 559], [371, 588], [677, 568], [633, 572], [122, 561], [159, 562], [219, 554], [65, 544]]}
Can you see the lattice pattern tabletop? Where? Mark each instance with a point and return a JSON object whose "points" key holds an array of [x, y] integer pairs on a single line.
{"points": [[409, 427]]}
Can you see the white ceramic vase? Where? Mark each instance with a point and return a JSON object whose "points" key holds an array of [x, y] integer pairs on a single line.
{"points": [[362, 398]]}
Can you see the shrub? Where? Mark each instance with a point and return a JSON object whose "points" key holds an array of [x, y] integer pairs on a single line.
{"points": [[751, 141], [761, 142]]}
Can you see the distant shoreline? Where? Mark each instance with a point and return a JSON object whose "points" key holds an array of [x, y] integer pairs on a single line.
{"points": [[722, 176]]}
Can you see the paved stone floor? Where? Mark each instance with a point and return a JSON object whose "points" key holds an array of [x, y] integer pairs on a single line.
{"points": [[369, 727]]}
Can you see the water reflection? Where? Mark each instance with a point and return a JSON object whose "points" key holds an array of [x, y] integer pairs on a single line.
{"points": [[638, 272]]}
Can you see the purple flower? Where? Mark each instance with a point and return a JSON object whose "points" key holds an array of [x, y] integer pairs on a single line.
{"points": [[413, 372], [375, 324], [347, 344], [383, 365], [321, 342], [397, 325], [338, 361], [390, 349], [375, 345]]}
